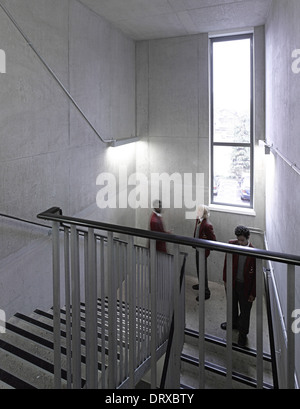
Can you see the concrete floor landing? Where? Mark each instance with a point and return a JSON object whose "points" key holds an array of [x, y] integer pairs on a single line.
{"points": [[215, 314]]}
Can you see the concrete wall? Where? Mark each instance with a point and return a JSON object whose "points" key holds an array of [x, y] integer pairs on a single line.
{"points": [[173, 119], [283, 124], [49, 156]]}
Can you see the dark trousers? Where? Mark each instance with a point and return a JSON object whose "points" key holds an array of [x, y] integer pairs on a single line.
{"points": [[239, 301], [207, 290]]}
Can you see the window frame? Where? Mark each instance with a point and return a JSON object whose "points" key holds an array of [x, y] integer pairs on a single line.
{"points": [[214, 144]]}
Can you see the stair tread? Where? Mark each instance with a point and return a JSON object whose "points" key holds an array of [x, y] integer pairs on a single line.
{"points": [[20, 367], [26, 349], [246, 372]]}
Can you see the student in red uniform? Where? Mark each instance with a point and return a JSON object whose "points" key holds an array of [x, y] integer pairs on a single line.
{"points": [[243, 285], [203, 230], [156, 224]]}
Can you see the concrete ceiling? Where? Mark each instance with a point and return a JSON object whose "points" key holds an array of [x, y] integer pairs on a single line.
{"points": [[151, 19]]}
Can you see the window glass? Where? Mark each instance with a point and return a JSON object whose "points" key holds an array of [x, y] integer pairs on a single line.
{"points": [[231, 122], [232, 91], [232, 176]]}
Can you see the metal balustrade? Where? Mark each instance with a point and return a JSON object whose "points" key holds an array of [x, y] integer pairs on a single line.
{"points": [[128, 275], [133, 288]]}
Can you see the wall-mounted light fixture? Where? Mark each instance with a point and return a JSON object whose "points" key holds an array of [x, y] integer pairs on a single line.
{"points": [[124, 141], [267, 147]]}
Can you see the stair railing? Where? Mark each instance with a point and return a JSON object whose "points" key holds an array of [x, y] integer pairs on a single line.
{"points": [[156, 348], [115, 278]]}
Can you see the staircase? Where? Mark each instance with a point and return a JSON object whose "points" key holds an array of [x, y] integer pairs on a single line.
{"points": [[26, 352], [26, 348]]}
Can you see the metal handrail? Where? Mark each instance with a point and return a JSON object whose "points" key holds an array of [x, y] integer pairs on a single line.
{"points": [[18, 219], [52, 214]]}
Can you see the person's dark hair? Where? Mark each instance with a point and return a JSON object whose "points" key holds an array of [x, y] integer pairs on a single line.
{"points": [[242, 231]]}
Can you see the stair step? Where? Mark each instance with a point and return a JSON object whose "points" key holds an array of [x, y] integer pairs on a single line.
{"points": [[192, 334], [9, 381], [24, 367], [244, 363], [26, 353], [26, 349]]}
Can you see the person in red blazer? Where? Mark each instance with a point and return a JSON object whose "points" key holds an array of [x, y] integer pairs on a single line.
{"points": [[156, 224], [244, 285], [203, 230]]}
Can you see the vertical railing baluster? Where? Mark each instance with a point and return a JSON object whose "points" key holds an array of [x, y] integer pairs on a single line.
{"points": [[86, 300], [159, 263], [201, 263], [138, 305], [68, 307], [148, 307], [143, 324], [259, 324], [91, 315], [132, 310], [121, 314], [56, 305], [153, 281], [102, 296], [76, 333], [177, 335], [290, 334], [117, 305], [112, 315], [182, 297], [163, 278], [126, 318], [229, 293]]}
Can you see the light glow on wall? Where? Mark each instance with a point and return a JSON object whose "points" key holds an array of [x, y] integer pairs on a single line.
{"points": [[123, 153]]}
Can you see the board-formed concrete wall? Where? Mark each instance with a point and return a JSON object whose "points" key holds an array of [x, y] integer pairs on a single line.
{"points": [[49, 156], [282, 131]]}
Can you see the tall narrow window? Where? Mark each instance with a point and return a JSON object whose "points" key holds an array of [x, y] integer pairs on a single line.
{"points": [[232, 121]]}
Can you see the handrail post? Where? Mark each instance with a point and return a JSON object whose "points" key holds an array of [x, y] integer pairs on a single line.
{"points": [[102, 293], [56, 306], [68, 307], [132, 311], [153, 272], [112, 315], [229, 293], [177, 335], [91, 314], [201, 260], [259, 324], [76, 335], [290, 333]]}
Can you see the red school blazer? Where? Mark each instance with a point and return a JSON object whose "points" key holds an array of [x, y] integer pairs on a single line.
{"points": [[156, 224], [206, 232], [249, 272]]}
